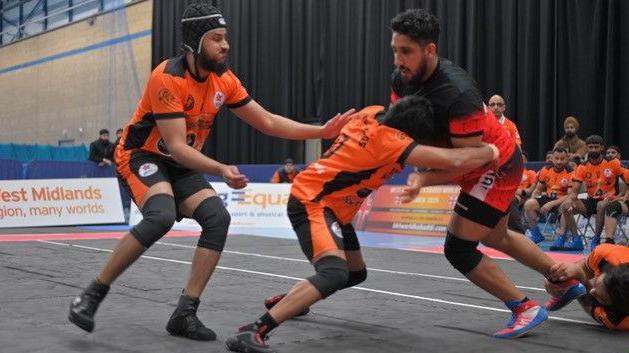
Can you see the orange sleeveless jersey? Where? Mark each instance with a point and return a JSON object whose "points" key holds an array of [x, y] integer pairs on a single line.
{"points": [[361, 159], [613, 255], [601, 180], [557, 183], [529, 177], [171, 93]]}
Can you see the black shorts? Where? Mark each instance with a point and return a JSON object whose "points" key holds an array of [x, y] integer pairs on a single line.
{"points": [[141, 170], [590, 206], [544, 199], [475, 210], [318, 229]]}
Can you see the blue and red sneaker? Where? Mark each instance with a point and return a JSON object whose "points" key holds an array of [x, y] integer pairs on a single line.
{"points": [[527, 316], [574, 289]]}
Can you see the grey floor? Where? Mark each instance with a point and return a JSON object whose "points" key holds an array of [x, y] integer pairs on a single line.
{"points": [[411, 302]]}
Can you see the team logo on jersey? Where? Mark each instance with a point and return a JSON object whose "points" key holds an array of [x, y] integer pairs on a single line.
{"points": [[189, 103], [165, 96], [219, 99], [564, 182], [607, 173], [525, 177], [336, 229], [147, 169]]}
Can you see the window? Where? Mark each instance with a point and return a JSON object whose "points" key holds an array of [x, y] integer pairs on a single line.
{"points": [[57, 13], [22, 18], [32, 14]]}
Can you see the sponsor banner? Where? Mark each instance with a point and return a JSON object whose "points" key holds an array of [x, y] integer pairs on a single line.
{"points": [[259, 205], [427, 215], [54, 202]]}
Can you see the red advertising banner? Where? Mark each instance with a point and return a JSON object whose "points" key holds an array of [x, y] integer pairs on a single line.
{"points": [[427, 215]]}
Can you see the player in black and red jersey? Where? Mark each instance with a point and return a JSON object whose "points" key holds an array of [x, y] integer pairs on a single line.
{"points": [[462, 119]]}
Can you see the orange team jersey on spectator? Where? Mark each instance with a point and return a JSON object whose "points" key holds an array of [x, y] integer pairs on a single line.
{"points": [[362, 158], [557, 182], [529, 177], [510, 126], [601, 180], [280, 176], [171, 93], [612, 255]]}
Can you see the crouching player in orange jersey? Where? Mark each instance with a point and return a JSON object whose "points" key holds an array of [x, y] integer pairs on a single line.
{"points": [[603, 289], [371, 148]]}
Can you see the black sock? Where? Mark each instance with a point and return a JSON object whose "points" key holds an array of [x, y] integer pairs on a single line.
{"points": [[265, 324]]}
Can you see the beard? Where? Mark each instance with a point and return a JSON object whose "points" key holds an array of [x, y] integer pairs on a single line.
{"points": [[570, 134], [594, 155], [419, 76], [208, 64]]}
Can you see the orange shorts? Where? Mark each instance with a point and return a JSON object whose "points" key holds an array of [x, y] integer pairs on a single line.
{"points": [[318, 229]]}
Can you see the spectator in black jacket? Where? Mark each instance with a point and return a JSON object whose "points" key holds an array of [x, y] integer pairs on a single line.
{"points": [[101, 149]]}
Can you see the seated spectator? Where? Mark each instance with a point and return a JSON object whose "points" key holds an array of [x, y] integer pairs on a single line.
{"points": [[613, 152], [600, 177], [529, 180], [286, 174], [100, 150], [616, 208], [571, 142], [528, 183], [549, 158], [553, 186]]}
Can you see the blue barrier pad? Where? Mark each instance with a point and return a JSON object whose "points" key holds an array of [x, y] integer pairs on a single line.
{"points": [[29, 152], [60, 170], [10, 169]]}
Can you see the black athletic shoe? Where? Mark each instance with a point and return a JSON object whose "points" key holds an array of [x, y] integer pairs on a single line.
{"points": [[83, 307], [248, 340], [271, 301], [185, 323]]}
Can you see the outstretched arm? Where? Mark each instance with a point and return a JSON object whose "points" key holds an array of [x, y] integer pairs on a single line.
{"points": [[458, 160], [449, 163], [276, 125]]}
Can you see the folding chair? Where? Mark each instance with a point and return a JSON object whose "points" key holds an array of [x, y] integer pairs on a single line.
{"points": [[549, 229], [620, 231]]}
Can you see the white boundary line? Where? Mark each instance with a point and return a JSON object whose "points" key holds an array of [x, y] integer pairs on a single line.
{"points": [[369, 268], [434, 300]]}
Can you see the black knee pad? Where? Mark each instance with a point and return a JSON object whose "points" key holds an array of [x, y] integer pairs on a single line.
{"points": [[614, 209], [332, 275], [214, 220], [462, 254], [356, 277], [159, 213]]}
